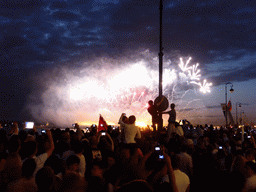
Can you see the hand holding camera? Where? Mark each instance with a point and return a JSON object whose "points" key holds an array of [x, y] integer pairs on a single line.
{"points": [[159, 151]]}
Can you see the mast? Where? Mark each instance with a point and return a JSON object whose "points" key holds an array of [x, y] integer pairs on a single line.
{"points": [[160, 54]]}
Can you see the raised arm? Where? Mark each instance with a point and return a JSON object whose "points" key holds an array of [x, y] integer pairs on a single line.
{"points": [[51, 148], [164, 112], [121, 119], [253, 142], [14, 129], [80, 133], [110, 139]]}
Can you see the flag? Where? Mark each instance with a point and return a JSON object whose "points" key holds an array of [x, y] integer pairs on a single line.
{"points": [[102, 124], [229, 105], [223, 105]]}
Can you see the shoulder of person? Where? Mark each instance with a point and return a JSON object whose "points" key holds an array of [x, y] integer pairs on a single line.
{"points": [[43, 155]]}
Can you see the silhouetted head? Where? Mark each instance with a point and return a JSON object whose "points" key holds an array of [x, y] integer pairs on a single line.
{"points": [[14, 144], [132, 119], [125, 119], [172, 105], [72, 181], [28, 168], [72, 162], [176, 161], [31, 148], [45, 178], [250, 154], [150, 102]]}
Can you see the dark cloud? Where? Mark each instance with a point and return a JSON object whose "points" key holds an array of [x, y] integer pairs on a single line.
{"points": [[65, 15], [19, 9], [59, 4], [238, 75], [26, 4]]}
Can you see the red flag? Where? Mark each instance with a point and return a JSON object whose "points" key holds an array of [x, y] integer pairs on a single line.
{"points": [[229, 105], [102, 124]]}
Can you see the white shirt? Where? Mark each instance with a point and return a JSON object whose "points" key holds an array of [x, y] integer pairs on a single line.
{"points": [[130, 132], [40, 160], [182, 180]]}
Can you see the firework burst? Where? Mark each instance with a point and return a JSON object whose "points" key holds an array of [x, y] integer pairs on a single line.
{"points": [[112, 90]]}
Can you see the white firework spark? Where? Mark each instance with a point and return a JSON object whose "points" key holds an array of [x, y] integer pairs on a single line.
{"points": [[184, 66], [194, 73]]}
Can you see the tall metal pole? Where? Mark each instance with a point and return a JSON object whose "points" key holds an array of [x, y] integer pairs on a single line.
{"points": [[236, 114], [226, 110], [160, 62]]}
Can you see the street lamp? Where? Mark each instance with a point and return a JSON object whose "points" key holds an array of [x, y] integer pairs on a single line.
{"points": [[240, 104], [160, 62], [231, 91]]}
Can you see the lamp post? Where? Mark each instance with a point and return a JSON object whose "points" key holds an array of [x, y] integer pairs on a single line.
{"points": [[238, 103], [160, 62], [226, 110], [242, 117]]}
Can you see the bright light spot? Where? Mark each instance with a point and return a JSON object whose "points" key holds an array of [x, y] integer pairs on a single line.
{"points": [[141, 124]]}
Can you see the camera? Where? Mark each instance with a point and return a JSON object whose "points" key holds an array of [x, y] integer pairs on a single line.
{"points": [[103, 133], [159, 152], [220, 147], [161, 156], [29, 125], [43, 131], [157, 148], [248, 136]]}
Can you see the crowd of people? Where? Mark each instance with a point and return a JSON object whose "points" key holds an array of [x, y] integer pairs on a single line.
{"points": [[198, 158]]}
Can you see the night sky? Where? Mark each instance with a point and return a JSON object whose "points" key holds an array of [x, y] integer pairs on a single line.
{"points": [[49, 47]]}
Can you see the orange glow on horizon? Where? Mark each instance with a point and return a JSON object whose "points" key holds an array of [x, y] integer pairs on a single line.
{"points": [[89, 123], [141, 124]]}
